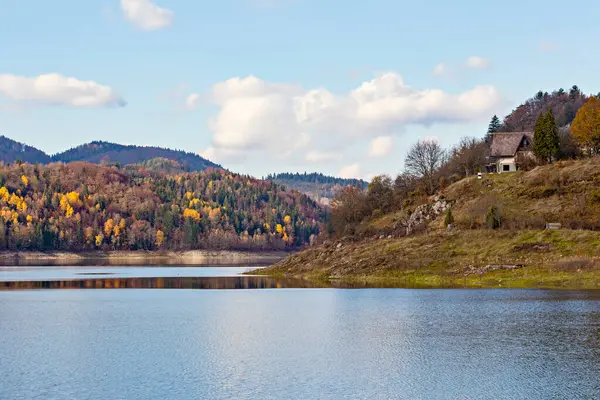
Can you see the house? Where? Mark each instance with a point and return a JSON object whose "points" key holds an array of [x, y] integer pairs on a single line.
{"points": [[507, 148]]}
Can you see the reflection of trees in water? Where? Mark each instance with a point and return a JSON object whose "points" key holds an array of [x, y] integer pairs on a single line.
{"points": [[244, 282]]}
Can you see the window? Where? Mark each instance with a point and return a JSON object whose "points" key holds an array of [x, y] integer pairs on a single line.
{"points": [[505, 167]]}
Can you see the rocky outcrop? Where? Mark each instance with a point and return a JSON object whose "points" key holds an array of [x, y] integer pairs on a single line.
{"points": [[426, 213]]}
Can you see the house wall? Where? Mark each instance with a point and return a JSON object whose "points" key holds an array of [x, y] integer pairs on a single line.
{"points": [[508, 161]]}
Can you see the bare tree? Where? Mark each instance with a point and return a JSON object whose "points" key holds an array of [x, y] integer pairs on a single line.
{"points": [[424, 160], [467, 156]]}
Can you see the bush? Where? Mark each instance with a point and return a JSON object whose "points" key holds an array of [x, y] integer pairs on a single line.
{"points": [[595, 197], [449, 218], [493, 218]]}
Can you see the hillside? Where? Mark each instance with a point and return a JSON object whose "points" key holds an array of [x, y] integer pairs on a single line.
{"points": [[81, 207], [158, 165], [316, 185], [520, 252], [104, 152], [11, 151], [564, 104]]}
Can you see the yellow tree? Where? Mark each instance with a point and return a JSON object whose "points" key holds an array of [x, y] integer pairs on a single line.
{"points": [[160, 238], [108, 226], [586, 126]]}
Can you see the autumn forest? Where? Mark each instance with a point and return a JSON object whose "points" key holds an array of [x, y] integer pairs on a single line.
{"points": [[81, 206]]}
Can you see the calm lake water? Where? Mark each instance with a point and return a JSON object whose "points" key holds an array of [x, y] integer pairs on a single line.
{"points": [[296, 343]]}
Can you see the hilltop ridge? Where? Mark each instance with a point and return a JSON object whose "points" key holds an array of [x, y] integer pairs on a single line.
{"points": [[101, 152]]}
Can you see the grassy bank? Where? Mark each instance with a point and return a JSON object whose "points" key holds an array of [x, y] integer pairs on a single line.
{"points": [[193, 257], [469, 258]]}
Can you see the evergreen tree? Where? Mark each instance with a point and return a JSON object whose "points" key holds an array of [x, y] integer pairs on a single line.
{"points": [[495, 125], [546, 141], [551, 136], [539, 138]]}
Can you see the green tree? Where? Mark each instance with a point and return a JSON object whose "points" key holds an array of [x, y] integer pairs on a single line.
{"points": [[494, 125], [493, 219], [539, 138], [546, 141], [552, 137]]}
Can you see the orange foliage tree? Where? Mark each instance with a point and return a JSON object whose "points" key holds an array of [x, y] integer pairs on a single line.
{"points": [[586, 126]]}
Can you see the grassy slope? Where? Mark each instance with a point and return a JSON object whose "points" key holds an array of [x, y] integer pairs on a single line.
{"points": [[566, 193]]}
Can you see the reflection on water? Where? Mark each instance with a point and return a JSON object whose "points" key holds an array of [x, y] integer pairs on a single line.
{"points": [[197, 282], [297, 344], [76, 273], [239, 282]]}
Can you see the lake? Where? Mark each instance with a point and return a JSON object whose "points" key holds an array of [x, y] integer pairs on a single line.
{"points": [[264, 338]]}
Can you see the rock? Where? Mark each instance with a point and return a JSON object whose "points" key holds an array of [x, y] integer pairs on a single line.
{"points": [[426, 212]]}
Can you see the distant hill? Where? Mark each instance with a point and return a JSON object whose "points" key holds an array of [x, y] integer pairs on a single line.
{"points": [[11, 151], [316, 185], [157, 165], [105, 152]]}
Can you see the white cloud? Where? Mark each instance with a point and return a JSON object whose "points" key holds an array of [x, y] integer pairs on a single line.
{"points": [[350, 171], [191, 101], [475, 62], [146, 15], [323, 156], [55, 89], [381, 146], [265, 121], [440, 69]]}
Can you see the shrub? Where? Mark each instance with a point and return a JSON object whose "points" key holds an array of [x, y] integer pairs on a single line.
{"points": [[449, 218], [595, 197], [493, 218]]}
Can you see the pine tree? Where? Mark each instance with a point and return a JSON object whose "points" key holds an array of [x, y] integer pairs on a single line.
{"points": [[551, 136], [494, 125], [539, 138]]}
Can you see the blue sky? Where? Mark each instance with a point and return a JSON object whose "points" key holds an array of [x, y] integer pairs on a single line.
{"points": [[227, 79]]}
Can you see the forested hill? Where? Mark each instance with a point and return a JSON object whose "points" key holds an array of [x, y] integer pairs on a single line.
{"points": [[316, 185], [83, 206], [11, 151], [564, 105], [98, 152]]}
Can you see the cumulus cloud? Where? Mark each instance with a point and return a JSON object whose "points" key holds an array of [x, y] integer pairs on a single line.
{"points": [[381, 146], [146, 15], [476, 62], [55, 89], [267, 120]]}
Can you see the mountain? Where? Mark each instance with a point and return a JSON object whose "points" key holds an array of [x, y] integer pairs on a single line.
{"points": [[11, 151], [316, 185], [81, 206], [105, 152]]}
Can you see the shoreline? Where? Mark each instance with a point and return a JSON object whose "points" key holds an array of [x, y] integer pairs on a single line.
{"points": [[150, 258], [559, 259]]}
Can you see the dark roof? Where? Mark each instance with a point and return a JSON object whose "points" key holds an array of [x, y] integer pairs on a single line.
{"points": [[506, 144]]}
